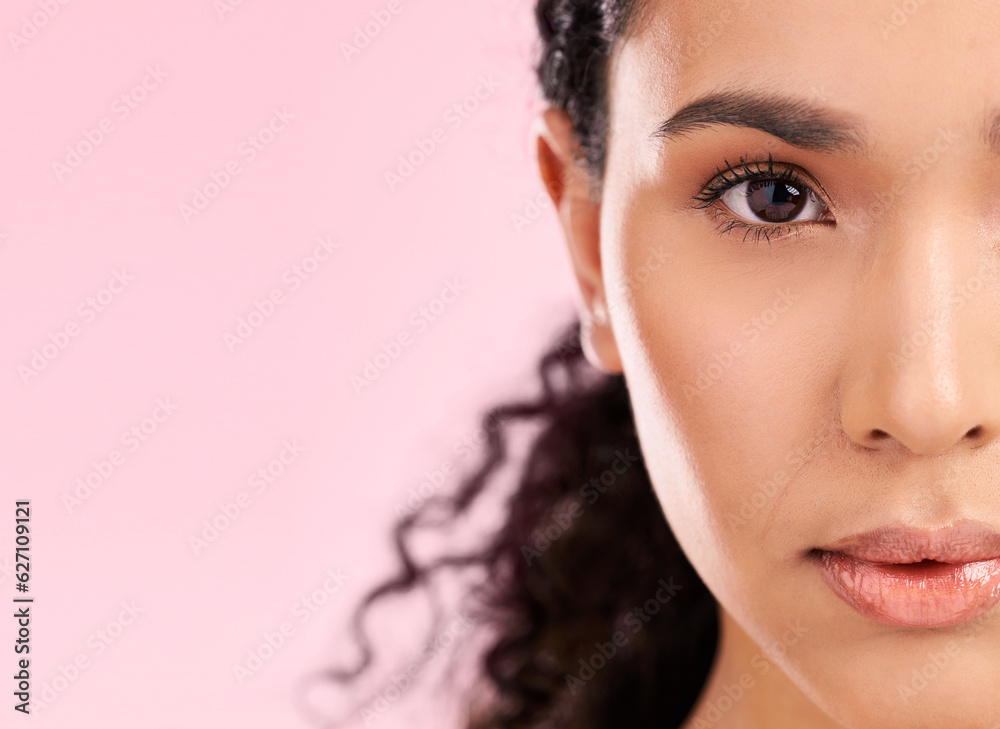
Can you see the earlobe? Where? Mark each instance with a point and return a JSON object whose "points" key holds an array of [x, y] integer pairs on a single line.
{"points": [[569, 187], [597, 338]]}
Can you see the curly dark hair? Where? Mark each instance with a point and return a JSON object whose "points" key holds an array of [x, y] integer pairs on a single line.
{"points": [[578, 37], [597, 617]]}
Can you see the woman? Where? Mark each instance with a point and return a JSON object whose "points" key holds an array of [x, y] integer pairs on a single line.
{"points": [[764, 492]]}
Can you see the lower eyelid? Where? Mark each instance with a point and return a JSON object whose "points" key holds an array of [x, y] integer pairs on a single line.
{"points": [[730, 225]]}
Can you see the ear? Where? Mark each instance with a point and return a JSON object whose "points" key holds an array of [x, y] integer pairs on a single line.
{"points": [[569, 187]]}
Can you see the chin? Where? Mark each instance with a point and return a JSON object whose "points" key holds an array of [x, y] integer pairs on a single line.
{"points": [[942, 679]]}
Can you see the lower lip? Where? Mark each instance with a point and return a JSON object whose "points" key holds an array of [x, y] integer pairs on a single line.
{"points": [[921, 595]]}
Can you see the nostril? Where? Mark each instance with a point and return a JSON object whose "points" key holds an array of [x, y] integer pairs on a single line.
{"points": [[974, 432], [879, 434]]}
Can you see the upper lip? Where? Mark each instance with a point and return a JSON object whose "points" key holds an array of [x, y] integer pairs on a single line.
{"points": [[963, 541]]}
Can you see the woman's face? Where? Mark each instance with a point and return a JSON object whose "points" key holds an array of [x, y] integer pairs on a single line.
{"points": [[814, 354]]}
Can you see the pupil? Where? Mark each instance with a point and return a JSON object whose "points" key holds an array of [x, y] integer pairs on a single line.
{"points": [[774, 201]]}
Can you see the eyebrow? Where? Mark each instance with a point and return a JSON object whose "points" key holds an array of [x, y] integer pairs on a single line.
{"points": [[797, 121]]}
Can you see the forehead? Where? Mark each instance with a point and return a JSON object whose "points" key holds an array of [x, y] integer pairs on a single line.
{"points": [[906, 69]]}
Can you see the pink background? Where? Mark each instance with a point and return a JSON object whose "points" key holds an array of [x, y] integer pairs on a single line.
{"points": [[117, 208]]}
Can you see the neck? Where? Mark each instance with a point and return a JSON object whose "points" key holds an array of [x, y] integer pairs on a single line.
{"points": [[747, 690]]}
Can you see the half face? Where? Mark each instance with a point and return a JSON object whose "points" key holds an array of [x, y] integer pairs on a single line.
{"points": [[797, 245]]}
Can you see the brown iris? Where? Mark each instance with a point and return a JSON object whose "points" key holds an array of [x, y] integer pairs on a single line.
{"points": [[774, 200]]}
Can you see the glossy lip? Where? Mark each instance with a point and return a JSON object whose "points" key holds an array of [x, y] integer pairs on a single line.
{"points": [[920, 578]]}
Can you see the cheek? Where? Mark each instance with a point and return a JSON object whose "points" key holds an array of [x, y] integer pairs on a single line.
{"points": [[714, 361], [707, 394]]}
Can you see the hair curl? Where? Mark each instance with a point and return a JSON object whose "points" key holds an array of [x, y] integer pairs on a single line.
{"points": [[603, 621]]}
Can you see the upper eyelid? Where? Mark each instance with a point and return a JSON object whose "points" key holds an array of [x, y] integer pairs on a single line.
{"points": [[749, 169]]}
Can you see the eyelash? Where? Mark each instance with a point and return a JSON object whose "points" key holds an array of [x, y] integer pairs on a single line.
{"points": [[755, 169]]}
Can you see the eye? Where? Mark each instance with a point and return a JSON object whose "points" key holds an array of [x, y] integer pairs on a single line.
{"points": [[763, 199], [773, 201]]}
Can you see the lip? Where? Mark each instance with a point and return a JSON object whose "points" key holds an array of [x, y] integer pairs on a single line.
{"points": [[921, 578]]}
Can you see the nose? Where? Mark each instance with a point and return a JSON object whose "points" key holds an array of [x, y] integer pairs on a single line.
{"points": [[924, 357]]}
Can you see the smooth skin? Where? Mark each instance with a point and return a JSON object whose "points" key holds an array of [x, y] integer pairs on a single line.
{"points": [[842, 375]]}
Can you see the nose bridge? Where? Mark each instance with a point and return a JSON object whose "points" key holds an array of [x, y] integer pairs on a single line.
{"points": [[925, 271], [923, 359]]}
